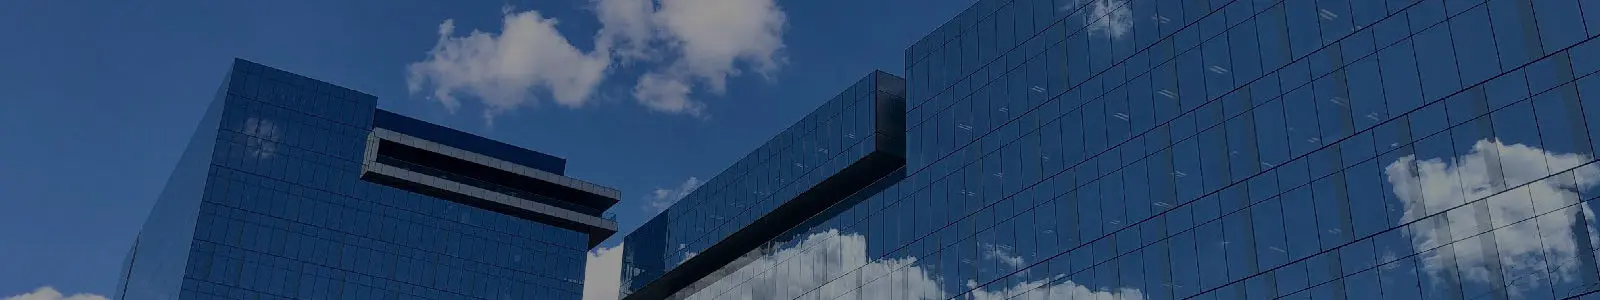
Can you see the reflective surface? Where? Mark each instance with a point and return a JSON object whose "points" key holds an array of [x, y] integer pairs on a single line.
{"points": [[466, 141], [284, 215], [844, 131], [1105, 149]]}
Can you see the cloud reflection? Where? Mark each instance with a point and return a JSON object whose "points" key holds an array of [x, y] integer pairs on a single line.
{"points": [[263, 136], [1110, 17], [839, 264], [1551, 247]]}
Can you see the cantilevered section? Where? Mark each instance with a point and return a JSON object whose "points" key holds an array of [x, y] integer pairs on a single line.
{"points": [[433, 168], [836, 151], [467, 141]]}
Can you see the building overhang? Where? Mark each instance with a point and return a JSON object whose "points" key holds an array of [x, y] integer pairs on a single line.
{"points": [[431, 168], [860, 177]]}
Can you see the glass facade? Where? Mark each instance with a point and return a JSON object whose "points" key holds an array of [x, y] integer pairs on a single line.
{"points": [[1224, 149], [268, 203], [855, 134], [468, 142]]}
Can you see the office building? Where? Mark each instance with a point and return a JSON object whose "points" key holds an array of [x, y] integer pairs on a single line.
{"points": [[1248, 149], [293, 188], [846, 150]]}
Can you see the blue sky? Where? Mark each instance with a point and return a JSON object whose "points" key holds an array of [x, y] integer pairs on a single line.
{"points": [[99, 96]]}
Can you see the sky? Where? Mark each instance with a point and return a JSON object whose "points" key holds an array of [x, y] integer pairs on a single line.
{"points": [[647, 96]]}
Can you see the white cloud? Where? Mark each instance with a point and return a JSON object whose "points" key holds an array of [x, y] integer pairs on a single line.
{"points": [[693, 43], [263, 136], [1521, 249], [790, 272], [1002, 253], [1110, 17], [504, 70], [835, 265], [1042, 288], [710, 38], [628, 28], [603, 274], [1065, 289], [666, 94], [50, 293], [714, 34], [660, 199]]}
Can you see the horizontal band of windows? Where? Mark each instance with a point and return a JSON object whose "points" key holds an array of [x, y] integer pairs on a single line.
{"points": [[859, 177]]}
